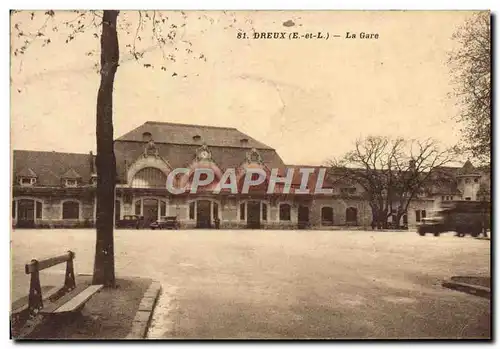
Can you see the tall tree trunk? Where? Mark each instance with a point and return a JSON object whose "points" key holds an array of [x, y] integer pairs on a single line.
{"points": [[104, 262]]}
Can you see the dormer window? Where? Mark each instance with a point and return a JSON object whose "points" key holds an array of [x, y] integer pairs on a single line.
{"points": [[71, 183], [26, 177], [71, 178], [244, 142], [196, 138], [27, 181]]}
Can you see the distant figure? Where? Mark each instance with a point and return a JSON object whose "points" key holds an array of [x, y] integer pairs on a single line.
{"points": [[373, 225], [217, 223]]}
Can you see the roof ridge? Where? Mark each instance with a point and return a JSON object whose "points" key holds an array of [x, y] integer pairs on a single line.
{"points": [[50, 152], [190, 125], [316, 166], [200, 144]]}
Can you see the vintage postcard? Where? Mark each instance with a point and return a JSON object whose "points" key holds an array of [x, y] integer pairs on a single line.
{"points": [[250, 174]]}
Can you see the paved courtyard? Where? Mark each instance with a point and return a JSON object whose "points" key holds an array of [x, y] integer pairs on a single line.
{"points": [[286, 284]]}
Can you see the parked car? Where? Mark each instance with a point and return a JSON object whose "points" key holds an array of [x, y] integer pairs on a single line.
{"points": [[130, 222], [169, 222]]}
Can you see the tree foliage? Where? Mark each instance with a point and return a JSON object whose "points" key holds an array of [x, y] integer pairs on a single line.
{"points": [[470, 65], [392, 172]]}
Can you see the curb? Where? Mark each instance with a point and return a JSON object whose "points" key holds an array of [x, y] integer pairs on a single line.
{"points": [[476, 290], [142, 319]]}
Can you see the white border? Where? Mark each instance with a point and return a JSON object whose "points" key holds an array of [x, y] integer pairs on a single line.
{"points": [[258, 4]]}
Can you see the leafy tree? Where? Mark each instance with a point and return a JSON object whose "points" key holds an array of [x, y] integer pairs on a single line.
{"points": [[162, 30], [470, 65]]}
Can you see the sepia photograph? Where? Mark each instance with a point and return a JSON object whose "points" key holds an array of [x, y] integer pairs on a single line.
{"points": [[250, 175]]}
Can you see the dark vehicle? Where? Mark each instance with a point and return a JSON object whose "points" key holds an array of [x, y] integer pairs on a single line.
{"points": [[170, 222], [130, 222], [461, 217]]}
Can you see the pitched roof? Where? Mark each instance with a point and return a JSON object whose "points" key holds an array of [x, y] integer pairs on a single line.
{"points": [[26, 172], [50, 167], [173, 133], [468, 169], [443, 181]]}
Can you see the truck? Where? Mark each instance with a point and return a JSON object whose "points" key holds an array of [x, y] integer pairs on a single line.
{"points": [[462, 217]]}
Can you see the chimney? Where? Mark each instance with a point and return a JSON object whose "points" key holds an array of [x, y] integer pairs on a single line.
{"points": [[92, 162]]}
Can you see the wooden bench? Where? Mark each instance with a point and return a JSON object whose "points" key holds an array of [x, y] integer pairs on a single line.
{"points": [[71, 298]]}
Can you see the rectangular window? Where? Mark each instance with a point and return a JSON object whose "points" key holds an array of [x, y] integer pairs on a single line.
{"points": [[264, 212], [27, 181], [468, 199], [13, 209], [417, 215], [71, 182], [348, 191], [138, 208], [38, 209], [442, 197], [242, 211], [424, 214], [163, 208], [216, 210], [191, 210]]}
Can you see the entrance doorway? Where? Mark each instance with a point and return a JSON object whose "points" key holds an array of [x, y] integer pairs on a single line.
{"points": [[303, 217], [26, 213], [203, 217], [149, 211], [253, 214]]}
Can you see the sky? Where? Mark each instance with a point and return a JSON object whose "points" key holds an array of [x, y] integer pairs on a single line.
{"points": [[309, 99]]}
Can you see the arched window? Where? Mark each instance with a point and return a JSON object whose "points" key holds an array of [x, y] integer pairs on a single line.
{"points": [[71, 210], [285, 212], [149, 177], [327, 216], [351, 215]]}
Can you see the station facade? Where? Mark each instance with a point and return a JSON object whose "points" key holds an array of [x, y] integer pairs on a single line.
{"points": [[53, 189]]}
